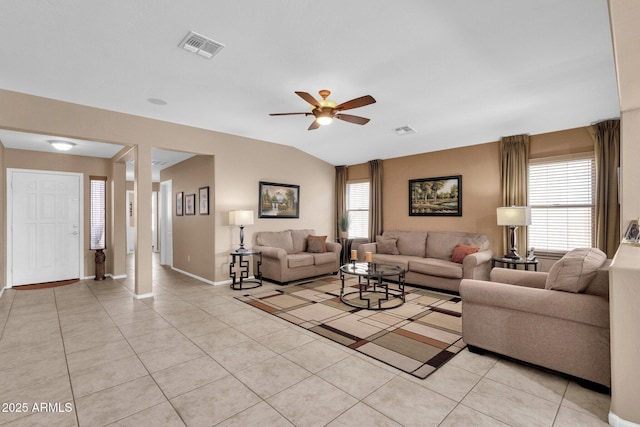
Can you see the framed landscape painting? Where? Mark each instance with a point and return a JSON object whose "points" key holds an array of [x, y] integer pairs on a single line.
{"points": [[440, 196], [279, 200]]}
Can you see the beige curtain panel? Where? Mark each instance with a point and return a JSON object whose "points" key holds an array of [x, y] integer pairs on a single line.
{"points": [[606, 136], [375, 199], [341, 197], [514, 164]]}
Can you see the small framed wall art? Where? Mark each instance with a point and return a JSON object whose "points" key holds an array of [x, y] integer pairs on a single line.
{"points": [[203, 197], [190, 204], [179, 205]]}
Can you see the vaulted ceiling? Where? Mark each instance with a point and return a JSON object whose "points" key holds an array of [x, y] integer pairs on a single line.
{"points": [[460, 72]]}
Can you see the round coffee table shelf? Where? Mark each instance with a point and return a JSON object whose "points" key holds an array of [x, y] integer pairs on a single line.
{"points": [[380, 286]]}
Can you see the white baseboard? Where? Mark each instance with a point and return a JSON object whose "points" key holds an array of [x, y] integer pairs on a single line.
{"points": [[186, 273], [616, 421], [143, 296], [120, 276], [2, 292]]}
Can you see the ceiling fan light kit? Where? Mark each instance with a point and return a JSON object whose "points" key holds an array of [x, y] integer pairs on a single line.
{"points": [[326, 110]]}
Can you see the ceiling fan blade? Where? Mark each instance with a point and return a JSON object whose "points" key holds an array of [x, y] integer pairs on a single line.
{"points": [[287, 114], [355, 103], [352, 119], [310, 99], [314, 125]]}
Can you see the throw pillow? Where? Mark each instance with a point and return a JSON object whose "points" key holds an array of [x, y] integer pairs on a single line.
{"points": [[574, 271], [386, 245], [461, 251], [317, 244]]}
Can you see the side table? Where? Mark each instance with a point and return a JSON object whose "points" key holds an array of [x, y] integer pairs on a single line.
{"points": [[514, 263], [238, 283]]}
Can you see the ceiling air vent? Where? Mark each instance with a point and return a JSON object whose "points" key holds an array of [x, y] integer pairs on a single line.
{"points": [[404, 130], [201, 45]]}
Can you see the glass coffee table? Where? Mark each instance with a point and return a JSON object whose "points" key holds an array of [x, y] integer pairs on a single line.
{"points": [[380, 286]]}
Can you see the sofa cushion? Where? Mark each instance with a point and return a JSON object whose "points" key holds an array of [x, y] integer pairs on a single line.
{"points": [[299, 238], [461, 251], [385, 245], [324, 258], [299, 260], [397, 260], [316, 244], [436, 267], [276, 239], [440, 244], [410, 243], [574, 271]]}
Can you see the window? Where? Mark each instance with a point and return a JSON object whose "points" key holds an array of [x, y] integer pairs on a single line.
{"points": [[98, 211], [561, 196], [358, 209]]}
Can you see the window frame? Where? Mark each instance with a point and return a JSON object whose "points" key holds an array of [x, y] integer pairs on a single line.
{"points": [[99, 211], [590, 155], [348, 210]]}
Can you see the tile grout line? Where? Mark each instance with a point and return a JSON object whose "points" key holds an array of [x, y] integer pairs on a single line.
{"points": [[66, 360], [141, 362]]}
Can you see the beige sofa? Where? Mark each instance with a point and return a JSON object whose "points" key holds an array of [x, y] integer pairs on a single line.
{"points": [[285, 257], [562, 330], [426, 257]]}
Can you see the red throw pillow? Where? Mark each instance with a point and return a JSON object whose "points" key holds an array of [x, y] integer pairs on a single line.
{"points": [[461, 251]]}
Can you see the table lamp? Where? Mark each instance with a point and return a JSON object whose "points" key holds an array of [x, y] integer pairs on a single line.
{"points": [[513, 217], [241, 218]]}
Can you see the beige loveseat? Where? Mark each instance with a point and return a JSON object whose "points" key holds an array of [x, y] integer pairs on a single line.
{"points": [[563, 330], [427, 257], [286, 256]]}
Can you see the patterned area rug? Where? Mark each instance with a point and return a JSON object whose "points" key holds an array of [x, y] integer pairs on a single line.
{"points": [[418, 337]]}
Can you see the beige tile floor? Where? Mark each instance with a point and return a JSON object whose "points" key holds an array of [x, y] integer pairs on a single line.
{"points": [[195, 356]]}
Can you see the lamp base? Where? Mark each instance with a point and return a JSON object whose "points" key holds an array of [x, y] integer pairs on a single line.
{"points": [[512, 254], [242, 250]]}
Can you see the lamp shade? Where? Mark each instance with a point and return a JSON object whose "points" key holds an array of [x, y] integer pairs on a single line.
{"points": [[241, 217], [514, 215]]}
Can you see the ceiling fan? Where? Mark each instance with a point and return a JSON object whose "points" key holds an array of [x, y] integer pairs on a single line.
{"points": [[326, 110]]}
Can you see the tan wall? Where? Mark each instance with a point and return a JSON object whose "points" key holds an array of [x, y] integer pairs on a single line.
{"points": [[193, 235], [3, 228], [480, 169], [237, 181], [21, 159], [479, 166], [239, 164]]}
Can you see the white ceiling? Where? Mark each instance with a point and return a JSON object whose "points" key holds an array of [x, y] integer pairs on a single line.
{"points": [[460, 72]]}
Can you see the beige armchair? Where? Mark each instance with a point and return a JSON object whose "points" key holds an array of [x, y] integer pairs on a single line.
{"points": [[516, 314]]}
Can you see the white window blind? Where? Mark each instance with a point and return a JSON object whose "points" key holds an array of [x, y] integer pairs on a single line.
{"points": [[358, 209], [561, 196], [98, 211]]}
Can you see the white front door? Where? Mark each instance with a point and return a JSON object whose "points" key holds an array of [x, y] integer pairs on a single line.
{"points": [[44, 226]]}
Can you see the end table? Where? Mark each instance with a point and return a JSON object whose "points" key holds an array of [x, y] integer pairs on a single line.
{"points": [[514, 263], [238, 283]]}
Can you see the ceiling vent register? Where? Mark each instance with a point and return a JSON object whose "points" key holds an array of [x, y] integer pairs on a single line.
{"points": [[404, 130], [201, 45]]}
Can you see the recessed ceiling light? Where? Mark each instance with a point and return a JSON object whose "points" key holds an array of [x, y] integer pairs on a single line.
{"points": [[157, 101], [61, 145]]}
